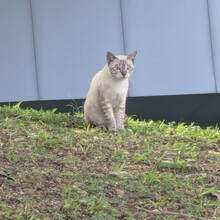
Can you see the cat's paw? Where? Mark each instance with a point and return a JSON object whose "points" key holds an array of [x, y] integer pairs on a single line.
{"points": [[112, 129], [109, 129], [103, 127], [120, 127]]}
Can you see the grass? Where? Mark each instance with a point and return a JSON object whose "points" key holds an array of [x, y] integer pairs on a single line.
{"points": [[54, 168]]}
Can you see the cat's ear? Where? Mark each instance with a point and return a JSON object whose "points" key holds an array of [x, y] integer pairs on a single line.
{"points": [[132, 56], [110, 57]]}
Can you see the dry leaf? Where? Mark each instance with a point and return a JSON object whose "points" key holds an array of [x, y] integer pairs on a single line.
{"points": [[216, 195]]}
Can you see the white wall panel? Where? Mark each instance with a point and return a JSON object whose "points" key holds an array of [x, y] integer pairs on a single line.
{"points": [[173, 42], [17, 66], [72, 38], [214, 11]]}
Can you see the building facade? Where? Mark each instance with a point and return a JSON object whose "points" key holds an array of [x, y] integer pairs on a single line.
{"points": [[50, 49]]}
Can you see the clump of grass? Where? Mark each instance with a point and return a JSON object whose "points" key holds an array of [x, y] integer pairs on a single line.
{"points": [[53, 168]]}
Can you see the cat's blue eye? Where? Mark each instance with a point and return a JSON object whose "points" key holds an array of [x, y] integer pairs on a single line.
{"points": [[117, 68], [129, 68]]}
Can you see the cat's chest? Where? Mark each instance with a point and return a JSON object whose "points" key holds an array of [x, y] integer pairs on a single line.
{"points": [[114, 92], [115, 88]]}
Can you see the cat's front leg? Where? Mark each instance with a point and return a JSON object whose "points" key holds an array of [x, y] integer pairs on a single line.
{"points": [[109, 116], [120, 116]]}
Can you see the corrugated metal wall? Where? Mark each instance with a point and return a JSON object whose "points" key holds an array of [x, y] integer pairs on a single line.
{"points": [[50, 49]]}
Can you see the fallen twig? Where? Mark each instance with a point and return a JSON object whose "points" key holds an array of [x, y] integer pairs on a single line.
{"points": [[157, 212]]}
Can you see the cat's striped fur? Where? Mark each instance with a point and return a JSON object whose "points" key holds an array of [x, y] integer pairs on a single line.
{"points": [[106, 99]]}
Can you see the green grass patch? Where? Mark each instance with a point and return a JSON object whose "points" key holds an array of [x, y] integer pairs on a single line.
{"points": [[53, 167]]}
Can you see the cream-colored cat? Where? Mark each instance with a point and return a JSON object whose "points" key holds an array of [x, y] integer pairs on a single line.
{"points": [[106, 99]]}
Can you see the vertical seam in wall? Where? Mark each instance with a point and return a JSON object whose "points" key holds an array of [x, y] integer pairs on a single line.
{"points": [[123, 35], [211, 44], [34, 46], [122, 25]]}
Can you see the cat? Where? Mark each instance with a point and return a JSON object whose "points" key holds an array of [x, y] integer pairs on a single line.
{"points": [[106, 99]]}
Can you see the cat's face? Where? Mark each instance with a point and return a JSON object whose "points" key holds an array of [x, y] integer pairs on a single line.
{"points": [[121, 67]]}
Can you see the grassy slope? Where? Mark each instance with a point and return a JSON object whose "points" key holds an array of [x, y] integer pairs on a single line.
{"points": [[51, 168]]}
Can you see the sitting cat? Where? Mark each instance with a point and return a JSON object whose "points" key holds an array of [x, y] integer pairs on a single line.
{"points": [[106, 99]]}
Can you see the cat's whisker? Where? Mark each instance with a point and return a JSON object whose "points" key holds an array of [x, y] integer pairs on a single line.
{"points": [[131, 80]]}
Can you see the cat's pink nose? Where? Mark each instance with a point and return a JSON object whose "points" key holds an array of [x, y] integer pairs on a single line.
{"points": [[123, 73]]}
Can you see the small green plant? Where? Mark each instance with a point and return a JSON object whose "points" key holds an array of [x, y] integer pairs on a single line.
{"points": [[95, 204], [151, 177], [204, 192], [141, 157], [75, 109]]}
